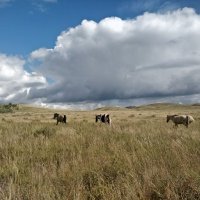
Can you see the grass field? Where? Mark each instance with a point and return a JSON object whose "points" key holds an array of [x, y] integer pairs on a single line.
{"points": [[139, 157]]}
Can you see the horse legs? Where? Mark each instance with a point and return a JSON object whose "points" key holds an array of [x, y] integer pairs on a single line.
{"points": [[64, 119], [176, 125]]}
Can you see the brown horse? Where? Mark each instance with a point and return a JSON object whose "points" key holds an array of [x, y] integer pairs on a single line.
{"points": [[60, 118], [180, 119]]}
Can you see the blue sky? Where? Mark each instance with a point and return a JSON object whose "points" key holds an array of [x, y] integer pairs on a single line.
{"points": [[94, 53], [30, 24]]}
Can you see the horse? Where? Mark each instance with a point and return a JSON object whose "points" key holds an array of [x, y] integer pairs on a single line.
{"points": [[104, 118], [60, 118], [180, 119]]}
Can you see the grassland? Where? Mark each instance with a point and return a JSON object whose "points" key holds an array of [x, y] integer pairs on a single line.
{"points": [[139, 157]]}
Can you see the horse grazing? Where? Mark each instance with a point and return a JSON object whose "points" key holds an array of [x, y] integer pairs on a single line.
{"points": [[105, 118], [180, 119], [60, 118]]}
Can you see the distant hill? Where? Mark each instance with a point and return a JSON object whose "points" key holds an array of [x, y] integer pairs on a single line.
{"points": [[106, 108], [131, 107], [196, 104], [159, 106]]}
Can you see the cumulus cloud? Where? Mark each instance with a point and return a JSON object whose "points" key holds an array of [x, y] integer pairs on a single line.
{"points": [[15, 81], [151, 56]]}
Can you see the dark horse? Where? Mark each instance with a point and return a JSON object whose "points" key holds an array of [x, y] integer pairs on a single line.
{"points": [[60, 118], [105, 118]]}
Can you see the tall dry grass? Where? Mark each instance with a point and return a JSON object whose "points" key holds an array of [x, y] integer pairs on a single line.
{"points": [[139, 157]]}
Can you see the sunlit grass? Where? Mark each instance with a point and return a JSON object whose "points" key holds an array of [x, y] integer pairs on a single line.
{"points": [[139, 157]]}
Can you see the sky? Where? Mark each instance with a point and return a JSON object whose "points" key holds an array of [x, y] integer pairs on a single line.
{"points": [[85, 54]]}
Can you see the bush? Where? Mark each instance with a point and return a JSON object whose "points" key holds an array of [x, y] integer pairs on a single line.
{"points": [[8, 108]]}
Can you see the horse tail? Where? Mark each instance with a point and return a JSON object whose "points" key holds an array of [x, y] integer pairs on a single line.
{"points": [[109, 120], [65, 119]]}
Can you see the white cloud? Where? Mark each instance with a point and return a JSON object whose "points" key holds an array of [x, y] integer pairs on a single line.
{"points": [[154, 57], [151, 56], [40, 53], [15, 81]]}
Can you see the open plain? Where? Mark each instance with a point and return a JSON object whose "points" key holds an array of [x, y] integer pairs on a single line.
{"points": [[139, 156]]}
